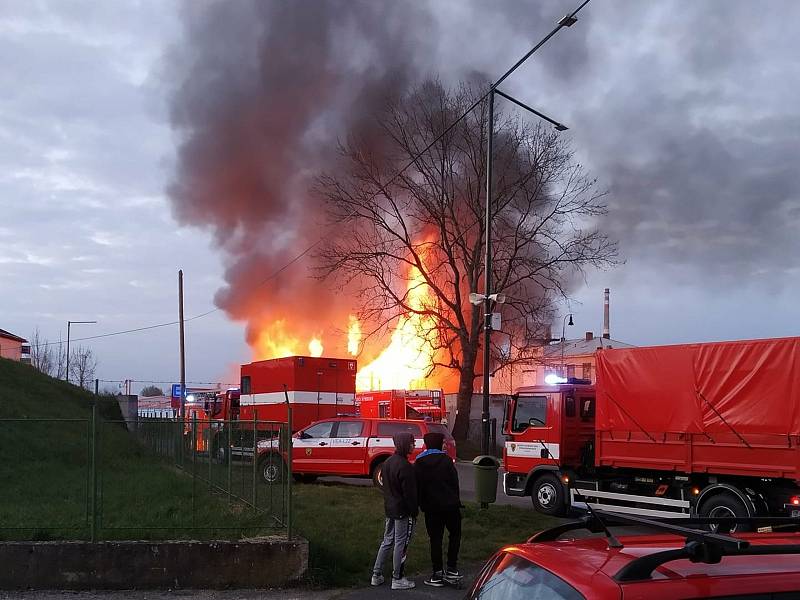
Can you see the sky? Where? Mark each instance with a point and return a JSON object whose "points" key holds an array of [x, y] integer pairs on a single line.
{"points": [[685, 112]]}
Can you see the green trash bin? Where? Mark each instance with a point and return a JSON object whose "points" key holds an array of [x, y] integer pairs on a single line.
{"points": [[486, 478]]}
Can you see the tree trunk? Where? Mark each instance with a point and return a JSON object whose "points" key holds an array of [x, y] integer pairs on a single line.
{"points": [[464, 401]]}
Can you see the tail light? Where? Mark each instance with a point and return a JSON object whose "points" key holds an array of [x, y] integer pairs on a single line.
{"points": [[794, 500]]}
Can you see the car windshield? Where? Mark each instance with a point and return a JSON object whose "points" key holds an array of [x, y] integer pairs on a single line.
{"points": [[510, 577]]}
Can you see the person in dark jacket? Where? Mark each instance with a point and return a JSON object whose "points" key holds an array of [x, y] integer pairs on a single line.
{"points": [[440, 500], [401, 508]]}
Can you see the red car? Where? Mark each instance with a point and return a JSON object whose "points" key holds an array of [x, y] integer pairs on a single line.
{"points": [[679, 563], [345, 446]]}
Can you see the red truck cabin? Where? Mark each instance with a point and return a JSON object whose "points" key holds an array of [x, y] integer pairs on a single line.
{"points": [[317, 387], [548, 426]]}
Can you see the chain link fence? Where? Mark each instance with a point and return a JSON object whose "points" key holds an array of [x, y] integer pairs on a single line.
{"points": [[100, 477]]}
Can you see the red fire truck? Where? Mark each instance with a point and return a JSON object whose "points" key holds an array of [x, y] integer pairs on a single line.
{"points": [[711, 430], [401, 404], [316, 387]]}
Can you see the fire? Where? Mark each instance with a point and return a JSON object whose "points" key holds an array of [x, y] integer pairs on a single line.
{"points": [[315, 347], [353, 336], [275, 341], [406, 362]]}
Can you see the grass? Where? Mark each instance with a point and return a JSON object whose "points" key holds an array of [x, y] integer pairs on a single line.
{"points": [[45, 470], [344, 526]]}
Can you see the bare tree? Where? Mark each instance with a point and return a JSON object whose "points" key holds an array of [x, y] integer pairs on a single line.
{"points": [[42, 353], [82, 366], [60, 360], [425, 228]]}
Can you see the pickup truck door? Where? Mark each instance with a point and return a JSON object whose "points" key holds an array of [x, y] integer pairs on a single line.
{"points": [[311, 449], [349, 448]]}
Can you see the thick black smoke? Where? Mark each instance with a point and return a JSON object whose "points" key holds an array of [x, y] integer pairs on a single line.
{"points": [[263, 91]]}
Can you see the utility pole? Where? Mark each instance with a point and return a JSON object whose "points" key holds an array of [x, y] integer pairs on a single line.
{"points": [[183, 354]]}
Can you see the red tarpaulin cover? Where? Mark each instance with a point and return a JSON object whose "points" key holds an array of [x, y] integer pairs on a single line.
{"points": [[752, 386]]}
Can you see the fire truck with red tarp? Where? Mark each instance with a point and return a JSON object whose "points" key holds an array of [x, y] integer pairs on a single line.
{"points": [[316, 387], [401, 404], [709, 430]]}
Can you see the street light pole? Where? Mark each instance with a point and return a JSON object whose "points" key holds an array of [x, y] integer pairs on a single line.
{"points": [[564, 341], [487, 281], [69, 324]]}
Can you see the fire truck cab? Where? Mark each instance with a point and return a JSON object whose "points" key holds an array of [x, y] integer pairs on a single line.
{"points": [[205, 412], [548, 427]]}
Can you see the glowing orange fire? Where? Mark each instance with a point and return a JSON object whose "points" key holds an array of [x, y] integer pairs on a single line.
{"points": [[275, 341], [406, 362]]}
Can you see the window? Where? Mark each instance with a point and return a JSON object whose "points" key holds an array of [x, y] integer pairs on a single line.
{"points": [[320, 430], [389, 429], [587, 407], [527, 408], [514, 578], [349, 429], [570, 370], [587, 371], [246, 384]]}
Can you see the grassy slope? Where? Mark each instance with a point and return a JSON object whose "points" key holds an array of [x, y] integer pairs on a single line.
{"points": [[45, 471]]}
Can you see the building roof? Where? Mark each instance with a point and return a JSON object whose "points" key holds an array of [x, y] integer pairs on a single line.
{"points": [[10, 336], [582, 347]]}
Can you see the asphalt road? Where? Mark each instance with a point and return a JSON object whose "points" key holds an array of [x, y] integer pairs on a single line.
{"points": [[466, 478]]}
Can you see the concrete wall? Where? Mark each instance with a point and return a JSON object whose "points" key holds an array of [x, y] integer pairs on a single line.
{"points": [[129, 407], [258, 563]]}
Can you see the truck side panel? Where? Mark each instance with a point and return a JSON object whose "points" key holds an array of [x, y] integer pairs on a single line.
{"points": [[767, 455], [727, 408]]}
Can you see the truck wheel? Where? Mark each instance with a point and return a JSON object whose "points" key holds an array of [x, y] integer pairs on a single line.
{"points": [[725, 505], [272, 469], [548, 495], [377, 475]]}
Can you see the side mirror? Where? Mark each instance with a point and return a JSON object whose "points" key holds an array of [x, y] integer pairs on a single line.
{"points": [[303, 435]]}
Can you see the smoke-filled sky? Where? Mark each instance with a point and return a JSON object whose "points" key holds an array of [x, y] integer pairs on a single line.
{"points": [[137, 138]]}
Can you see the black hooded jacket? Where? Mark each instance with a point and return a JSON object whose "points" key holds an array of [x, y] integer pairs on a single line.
{"points": [[399, 483], [437, 482]]}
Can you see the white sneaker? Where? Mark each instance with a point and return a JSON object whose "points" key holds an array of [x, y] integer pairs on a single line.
{"points": [[403, 584], [377, 580]]}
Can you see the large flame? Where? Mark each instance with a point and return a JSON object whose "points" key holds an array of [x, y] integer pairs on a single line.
{"points": [[274, 341], [315, 347], [353, 336], [406, 362]]}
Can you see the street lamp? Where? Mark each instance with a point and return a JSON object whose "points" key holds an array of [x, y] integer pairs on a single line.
{"points": [[69, 324], [564, 341]]}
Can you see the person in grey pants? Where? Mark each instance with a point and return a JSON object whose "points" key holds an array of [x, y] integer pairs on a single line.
{"points": [[401, 508]]}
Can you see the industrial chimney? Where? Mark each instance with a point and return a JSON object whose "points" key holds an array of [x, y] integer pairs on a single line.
{"points": [[606, 331]]}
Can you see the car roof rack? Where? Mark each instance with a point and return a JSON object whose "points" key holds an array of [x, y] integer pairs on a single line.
{"points": [[701, 545]]}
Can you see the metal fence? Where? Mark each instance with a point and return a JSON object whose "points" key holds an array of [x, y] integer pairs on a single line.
{"points": [[102, 478]]}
